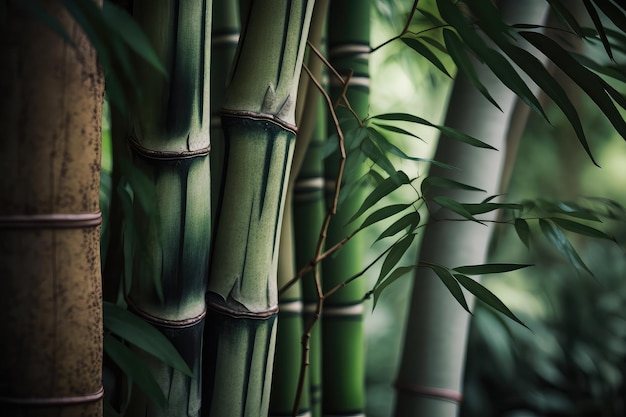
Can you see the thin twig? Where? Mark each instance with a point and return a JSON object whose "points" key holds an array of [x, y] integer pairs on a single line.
{"points": [[405, 30]]}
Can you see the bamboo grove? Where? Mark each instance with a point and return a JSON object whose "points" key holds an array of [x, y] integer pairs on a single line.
{"points": [[225, 273]]}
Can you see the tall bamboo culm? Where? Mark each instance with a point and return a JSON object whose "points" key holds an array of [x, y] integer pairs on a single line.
{"points": [[258, 119], [342, 323], [169, 142], [50, 112], [432, 362]]}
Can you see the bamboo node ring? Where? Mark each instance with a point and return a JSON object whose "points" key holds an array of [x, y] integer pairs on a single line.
{"points": [[79, 399], [442, 394], [51, 221]]}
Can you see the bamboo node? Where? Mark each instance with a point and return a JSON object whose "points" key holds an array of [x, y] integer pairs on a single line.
{"points": [[51, 221], [442, 394], [166, 155], [173, 324], [267, 117], [221, 308], [79, 399]]}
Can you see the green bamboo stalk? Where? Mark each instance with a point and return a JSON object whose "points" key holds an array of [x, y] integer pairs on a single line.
{"points": [[50, 111], [430, 373], [258, 121], [170, 146], [290, 387], [342, 324]]}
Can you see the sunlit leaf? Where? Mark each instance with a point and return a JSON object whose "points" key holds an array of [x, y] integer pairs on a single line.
{"points": [[489, 268], [135, 367], [486, 296], [563, 245], [141, 334], [453, 286]]}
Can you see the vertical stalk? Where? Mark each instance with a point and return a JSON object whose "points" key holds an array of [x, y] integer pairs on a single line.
{"points": [[170, 145], [258, 120], [430, 373], [51, 304], [342, 324]]}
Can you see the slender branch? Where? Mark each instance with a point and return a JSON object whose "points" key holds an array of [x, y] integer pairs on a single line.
{"points": [[404, 30]]}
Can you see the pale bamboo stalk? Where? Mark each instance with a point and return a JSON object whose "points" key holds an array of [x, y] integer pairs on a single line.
{"points": [[50, 111]]}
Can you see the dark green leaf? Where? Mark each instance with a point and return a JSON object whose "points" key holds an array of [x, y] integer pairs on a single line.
{"points": [[377, 156], [486, 296], [441, 182], [563, 245], [395, 255], [452, 285], [597, 22], [489, 207], [580, 228], [421, 49], [454, 206], [393, 277], [523, 231], [410, 221], [396, 129], [135, 367], [613, 13], [384, 213], [566, 17], [431, 17], [383, 189], [489, 268], [141, 334]]}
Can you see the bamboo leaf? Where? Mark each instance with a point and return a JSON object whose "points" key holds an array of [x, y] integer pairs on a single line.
{"points": [[563, 245], [482, 208], [393, 277], [566, 17], [384, 213], [489, 268], [456, 49], [383, 189], [396, 129], [441, 182], [450, 132], [523, 231], [139, 333], [597, 22], [424, 51], [377, 156], [410, 221], [587, 80], [580, 228], [613, 13], [455, 206], [486, 296], [431, 17], [135, 367], [453, 286], [394, 256]]}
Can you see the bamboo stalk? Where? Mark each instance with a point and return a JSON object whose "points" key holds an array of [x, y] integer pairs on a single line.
{"points": [[430, 373], [172, 212], [258, 120], [342, 324], [50, 110]]}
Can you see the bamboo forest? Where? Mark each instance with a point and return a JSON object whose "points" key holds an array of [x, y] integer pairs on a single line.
{"points": [[313, 208]]}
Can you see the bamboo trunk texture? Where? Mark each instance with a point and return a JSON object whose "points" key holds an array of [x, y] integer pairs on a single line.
{"points": [[50, 112], [169, 142], [342, 318], [258, 119], [432, 362]]}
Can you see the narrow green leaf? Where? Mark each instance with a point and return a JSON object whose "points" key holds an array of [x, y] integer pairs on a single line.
{"points": [[566, 17], [431, 17], [456, 49], [455, 206], [424, 51], [580, 228], [395, 255], [450, 132], [118, 20], [441, 182], [135, 367], [141, 334], [597, 22], [396, 129], [613, 13], [410, 221], [486, 296], [481, 208], [489, 268], [384, 213], [383, 189], [523, 231], [567, 209], [563, 245], [377, 156], [453, 286], [393, 277]]}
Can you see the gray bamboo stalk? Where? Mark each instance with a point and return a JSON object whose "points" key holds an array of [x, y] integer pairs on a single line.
{"points": [[258, 119], [50, 112], [342, 319], [430, 374], [169, 140]]}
